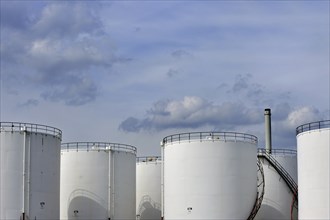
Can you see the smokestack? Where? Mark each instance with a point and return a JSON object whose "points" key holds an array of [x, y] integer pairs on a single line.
{"points": [[268, 131]]}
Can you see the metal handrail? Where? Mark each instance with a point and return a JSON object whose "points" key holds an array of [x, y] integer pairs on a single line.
{"points": [[283, 173], [211, 136], [313, 126], [148, 159], [30, 127], [281, 151], [260, 191], [97, 146]]}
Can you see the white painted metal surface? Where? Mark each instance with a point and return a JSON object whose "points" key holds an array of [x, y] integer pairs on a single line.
{"points": [[30, 171], [209, 176], [148, 188], [313, 143], [278, 198], [98, 181], [288, 160]]}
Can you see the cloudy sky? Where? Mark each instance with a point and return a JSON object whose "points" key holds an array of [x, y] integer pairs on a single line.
{"points": [[134, 72]]}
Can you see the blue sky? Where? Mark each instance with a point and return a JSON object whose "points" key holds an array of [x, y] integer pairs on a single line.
{"points": [[134, 72]]}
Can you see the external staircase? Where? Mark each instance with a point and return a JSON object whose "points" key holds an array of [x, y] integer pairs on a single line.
{"points": [[262, 153]]}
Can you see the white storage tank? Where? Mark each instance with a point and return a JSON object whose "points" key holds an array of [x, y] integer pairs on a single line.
{"points": [[98, 181], [313, 143], [29, 171], [209, 175], [279, 201], [148, 188]]}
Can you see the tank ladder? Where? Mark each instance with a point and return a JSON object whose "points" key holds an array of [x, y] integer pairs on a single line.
{"points": [[262, 153], [260, 190]]}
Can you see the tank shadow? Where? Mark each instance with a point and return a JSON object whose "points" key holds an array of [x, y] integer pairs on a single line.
{"points": [[84, 207], [272, 213], [149, 212]]}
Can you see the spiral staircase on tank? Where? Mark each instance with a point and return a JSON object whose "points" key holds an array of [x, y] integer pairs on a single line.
{"points": [[260, 190], [262, 153]]}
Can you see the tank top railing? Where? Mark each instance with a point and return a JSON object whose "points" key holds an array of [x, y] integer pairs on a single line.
{"points": [[97, 146], [34, 128], [285, 152], [313, 126], [210, 136], [149, 159]]}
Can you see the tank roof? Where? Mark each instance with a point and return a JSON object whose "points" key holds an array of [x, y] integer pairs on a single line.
{"points": [[279, 151], [30, 127], [148, 159], [211, 136], [313, 126], [97, 146]]}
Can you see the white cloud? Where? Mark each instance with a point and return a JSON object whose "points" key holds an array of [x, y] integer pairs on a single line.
{"points": [[286, 119], [302, 116], [59, 52], [30, 102], [68, 19], [229, 59], [192, 112], [81, 92]]}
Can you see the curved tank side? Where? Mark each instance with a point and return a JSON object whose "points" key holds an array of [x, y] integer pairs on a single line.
{"points": [[148, 188], [30, 171], [84, 183], [288, 162], [12, 195], [97, 182], [124, 185], [209, 178], [45, 177], [314, 171], [278, 197]]}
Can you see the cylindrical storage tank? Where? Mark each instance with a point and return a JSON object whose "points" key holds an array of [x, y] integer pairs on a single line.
{"points": [[313, 143], [98, 181], [29, 171], [278, 200], [148, 188], [209, 175]]}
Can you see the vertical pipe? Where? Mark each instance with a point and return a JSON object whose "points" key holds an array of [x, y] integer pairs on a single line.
{"points": [[0, 171], [109, 182], [113, 185], [162, 144], [26, 174], [24, 171], [268, 131]]}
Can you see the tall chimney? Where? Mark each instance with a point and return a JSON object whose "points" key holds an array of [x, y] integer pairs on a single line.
{"points": [[268, 131]]}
